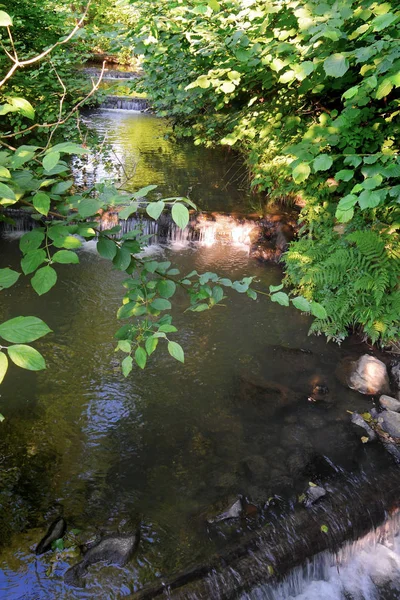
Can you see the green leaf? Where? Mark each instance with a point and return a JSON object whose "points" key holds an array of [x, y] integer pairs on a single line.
{"points": [[5, 19], [31, 240], [151, 344], [324, 528], [180, 215], [144, 191], [126, 212], [370, 199], [51, 160], [384, 88], [127, 365], [167, 328], [58, 544], [3, 366], [318, 310], [4, 172], [7, 278], [154, 209], [323, 162], [6, 192], [140, 357], [176, 351], [275, 288], [281, 298], [228, 87], [301, 172], [41, 202], [161, 304], [336, 65], [382, 21], [23, 330], [89, 207], [26, 357], [301, 303], [43, 280], [218, 293], [122, 259], [214, 5], [68, 148], [124, 346], [23, 106], [166, 288], [344, 175], [106, 248], [61, 187], [65, 257]]}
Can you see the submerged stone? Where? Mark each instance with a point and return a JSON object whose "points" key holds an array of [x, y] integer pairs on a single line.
{"points": [[113, 549], [389, 403], [369, 376], [360, 422], [56, 531], [390, 421], [314, 493], [234, 512]]}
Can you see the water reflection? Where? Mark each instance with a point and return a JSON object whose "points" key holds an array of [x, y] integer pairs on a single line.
{"points": [[145, 147]]}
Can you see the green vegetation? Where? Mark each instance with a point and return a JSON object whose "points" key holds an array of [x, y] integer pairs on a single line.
{"points": [[309, 93]]}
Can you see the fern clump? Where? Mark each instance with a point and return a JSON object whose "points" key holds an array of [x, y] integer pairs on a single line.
{"points": [[356, 275]]}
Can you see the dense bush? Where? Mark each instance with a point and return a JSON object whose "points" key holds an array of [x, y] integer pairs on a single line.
{"points": [[309, 92]]}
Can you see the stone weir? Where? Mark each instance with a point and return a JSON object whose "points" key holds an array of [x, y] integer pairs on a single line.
{"points": [[354, 508], [125, 103]]}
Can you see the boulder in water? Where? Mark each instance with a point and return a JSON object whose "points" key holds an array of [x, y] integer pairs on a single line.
{"points": [[390, 422], [395, 374], [389, 403], [56, 531], [113, 549], [369, 376], [314, 493], [358, 420], [234, 512]]}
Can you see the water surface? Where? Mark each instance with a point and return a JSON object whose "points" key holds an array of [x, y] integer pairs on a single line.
{"points": [[175, 444]]}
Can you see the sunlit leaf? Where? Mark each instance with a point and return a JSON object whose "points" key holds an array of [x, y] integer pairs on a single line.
{"points": [[23, 330], [26, 357], [176, 351]]}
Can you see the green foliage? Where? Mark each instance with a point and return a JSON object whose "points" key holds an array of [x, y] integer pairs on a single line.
{"points": [[356, 278], [309, 93]]}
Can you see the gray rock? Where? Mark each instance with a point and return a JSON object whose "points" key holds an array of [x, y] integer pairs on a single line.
{"points": [[233, 512], [389, 403], [113, 549], [314, 493], [391, 423], [56, 531], [395, 374], [358, 420], [369, 376]]}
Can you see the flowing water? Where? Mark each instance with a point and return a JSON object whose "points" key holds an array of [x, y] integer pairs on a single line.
{"points": [[174, 445]]}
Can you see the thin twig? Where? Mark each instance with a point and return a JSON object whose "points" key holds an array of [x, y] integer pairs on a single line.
{"points": [[68, 116], [30, 61]]}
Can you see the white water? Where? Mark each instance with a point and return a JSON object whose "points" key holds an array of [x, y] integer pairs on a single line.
{"points": [[368, 569]]}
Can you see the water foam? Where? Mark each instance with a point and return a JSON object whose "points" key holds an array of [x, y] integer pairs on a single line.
{"points": [[361, 570]]}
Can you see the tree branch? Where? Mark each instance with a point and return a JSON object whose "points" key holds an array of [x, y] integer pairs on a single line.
{"points": [[30, 61]]}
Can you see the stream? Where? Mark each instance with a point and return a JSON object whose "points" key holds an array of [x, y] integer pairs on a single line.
{"points": [[172, 446]]}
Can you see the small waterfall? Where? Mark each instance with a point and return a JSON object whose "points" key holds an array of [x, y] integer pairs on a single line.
{"points": [[125, 103], [359, 570], [292, 558], [204, 229]]}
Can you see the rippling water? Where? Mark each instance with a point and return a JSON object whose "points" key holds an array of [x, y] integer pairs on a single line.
{"points": [[173, 445]]}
